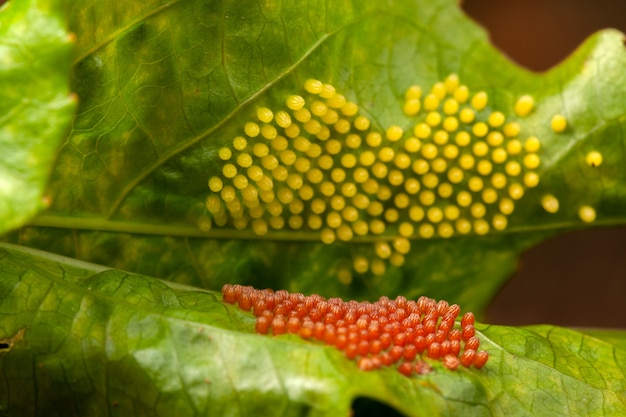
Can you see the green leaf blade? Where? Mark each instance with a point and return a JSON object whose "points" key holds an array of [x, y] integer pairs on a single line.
{"points": [[36, 107], [99, 341]]}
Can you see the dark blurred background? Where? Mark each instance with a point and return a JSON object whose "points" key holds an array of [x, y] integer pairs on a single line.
{"points": [[578, 278]]}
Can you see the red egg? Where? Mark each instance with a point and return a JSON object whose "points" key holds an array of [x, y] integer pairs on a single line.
{"points": [[405, 369], [468, 318], [467, 358], [451, 362], [481, 359]]}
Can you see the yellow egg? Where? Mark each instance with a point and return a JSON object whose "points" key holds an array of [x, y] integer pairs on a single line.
{"points": [[481, 227], [451, 82], [516, 191], [412, 145], [414, 92], [550, 203], [406, 229], [434, 214], [367, 158], [314, 222], [558, 123], [327, 236], [416, 213], [431, 102], [240, 143], [412, 186], [420, 166], [337, 101], [496, 119], [348, 189], [373, 139], [495, 139], [327, 91], [480, 129], [412, 107], [225, 154], [394, 133], [467, 115], [506, 206], [462, 139], [349, 109], [426, 231], [259, 227], [283, 119], [524, 105], [587, 214], [264, 114], [479, 101], [531, 179], [313, 86], [594, 159], [438, 90], [450, 106], [401, 245], [215, 184], [451, 212], [295, 102], [360, 264], [445, 230], [512, 129], [422, 130], [463, 226], [461, 94], [378, 267], [433, 119], [450, 124], [361, 122]]}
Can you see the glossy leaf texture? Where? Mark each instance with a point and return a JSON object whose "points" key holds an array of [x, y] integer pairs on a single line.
{"points": [[165, 86], [36, 107], [79, 339]]}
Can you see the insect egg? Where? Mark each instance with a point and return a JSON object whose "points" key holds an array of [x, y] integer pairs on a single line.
{"points": [[461, 94], [512, 129], [394, 133], [481, 359], [479, 101], [587, 214], [496, 119], [433, 119], [550, 203], [327, 91], [531, 179], [313, 86], [467, 115], [412, 107], [594, 159], [524, 105], [558, 123], [438, 90], [431, 102], [422, 130], [264, 114], [414, 92]]}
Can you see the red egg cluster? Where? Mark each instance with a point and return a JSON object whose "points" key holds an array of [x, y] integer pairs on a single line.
{"points": [[382, 333]]}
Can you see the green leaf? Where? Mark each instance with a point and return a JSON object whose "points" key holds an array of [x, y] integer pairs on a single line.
{"points": [[35, 105], [79, 339], [164, 87]]}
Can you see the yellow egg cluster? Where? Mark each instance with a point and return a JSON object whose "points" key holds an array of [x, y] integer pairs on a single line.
{"points": [[317, 164]]}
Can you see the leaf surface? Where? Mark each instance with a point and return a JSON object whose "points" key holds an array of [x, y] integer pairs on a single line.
{"points": [[35, 105], [80, 339], [165, 86]]}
